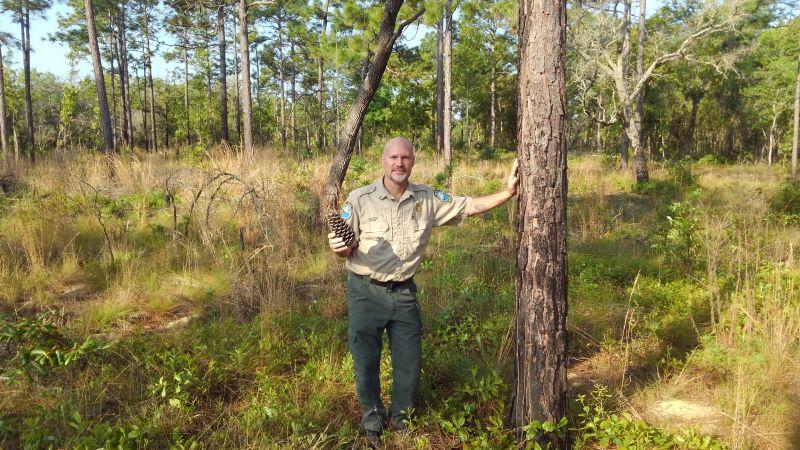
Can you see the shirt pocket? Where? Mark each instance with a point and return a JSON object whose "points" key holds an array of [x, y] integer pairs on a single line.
{"points": [[374, 230], [422, 231]]}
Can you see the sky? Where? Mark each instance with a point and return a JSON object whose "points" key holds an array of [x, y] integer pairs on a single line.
{"points": [[53, 57]]}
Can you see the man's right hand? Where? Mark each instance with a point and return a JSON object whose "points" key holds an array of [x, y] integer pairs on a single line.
{"points": [[337, 245]]}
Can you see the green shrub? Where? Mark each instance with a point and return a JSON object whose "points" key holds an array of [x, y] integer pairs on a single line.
{"points": [[787, 199]]}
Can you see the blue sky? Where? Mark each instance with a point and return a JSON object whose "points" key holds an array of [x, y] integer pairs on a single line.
{"points": [[48, 56]]}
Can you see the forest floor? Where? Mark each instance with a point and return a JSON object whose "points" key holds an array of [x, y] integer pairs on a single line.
{"points": [[193, 303]]}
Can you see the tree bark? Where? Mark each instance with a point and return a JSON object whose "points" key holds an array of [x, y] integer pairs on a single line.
{"points": [[100, 84], [223, 76], [3, 122], [540, 376], [386, 39], [237, 115], [448, 104], [640, 67], [796, 132], [246, 99], [293, 95], [25, 24], [439, 88]]}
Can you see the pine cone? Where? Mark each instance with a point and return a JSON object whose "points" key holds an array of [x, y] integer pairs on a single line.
{"points": [[342, 230]]}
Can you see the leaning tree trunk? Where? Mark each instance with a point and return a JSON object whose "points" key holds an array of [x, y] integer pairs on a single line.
{"points": [[223, 76], [386, 39], [246, 99], [3, 123], [540, 375], [100, 84], [796, 132]]}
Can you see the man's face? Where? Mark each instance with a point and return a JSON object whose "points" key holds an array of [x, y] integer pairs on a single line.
{"points": [[397, 161]]}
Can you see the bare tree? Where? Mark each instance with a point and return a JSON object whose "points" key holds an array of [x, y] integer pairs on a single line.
{"points": [[605, 48], [540, 376], [387, 35]]}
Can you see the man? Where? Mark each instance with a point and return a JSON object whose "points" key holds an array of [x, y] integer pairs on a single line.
{"points": [[392, 219]]}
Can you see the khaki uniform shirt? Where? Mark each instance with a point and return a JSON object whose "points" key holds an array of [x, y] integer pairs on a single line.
{"points": [[392, 234]]}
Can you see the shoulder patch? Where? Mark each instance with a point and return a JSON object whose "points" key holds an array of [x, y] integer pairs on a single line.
{"points": [[347, 211], [443, 196]]}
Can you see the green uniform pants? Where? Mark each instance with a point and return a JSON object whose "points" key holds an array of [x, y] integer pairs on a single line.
{"points": [[371, 309]]}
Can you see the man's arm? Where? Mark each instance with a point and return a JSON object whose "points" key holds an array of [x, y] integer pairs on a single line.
{"points": [[478, 205]]}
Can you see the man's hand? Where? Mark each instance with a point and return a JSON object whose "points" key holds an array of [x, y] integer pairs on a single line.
{"points": [[478, 205], [337, 245], [513, 178]]}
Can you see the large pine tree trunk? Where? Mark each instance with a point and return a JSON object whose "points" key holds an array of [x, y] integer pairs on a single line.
{"points": [[25, 23], [448, 104], [293, 95], [237, 115], [796, 132], [3, 122], [540, 377], [246, 99], [100, 84], [223, 76], [386, 38]]}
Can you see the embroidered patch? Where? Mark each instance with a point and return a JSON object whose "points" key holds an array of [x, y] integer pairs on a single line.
{"points": [[418, 207], [443, 196], [347, 211]]}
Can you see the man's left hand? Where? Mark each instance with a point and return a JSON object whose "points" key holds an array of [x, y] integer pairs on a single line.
{"points": [[513, 178]]}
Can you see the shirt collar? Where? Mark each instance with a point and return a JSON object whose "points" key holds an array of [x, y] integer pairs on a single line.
{"points": [[383, 193]]}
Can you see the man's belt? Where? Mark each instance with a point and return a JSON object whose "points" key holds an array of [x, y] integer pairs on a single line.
{"points": [[391, 285]]}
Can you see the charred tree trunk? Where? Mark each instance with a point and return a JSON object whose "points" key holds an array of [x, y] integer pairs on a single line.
{"points": [[387, 36], [100, 84], [223, 76], [246, 99], [540, 376]]}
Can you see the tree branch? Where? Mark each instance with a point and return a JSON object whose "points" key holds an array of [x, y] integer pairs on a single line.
{"points": [[406, 23]]}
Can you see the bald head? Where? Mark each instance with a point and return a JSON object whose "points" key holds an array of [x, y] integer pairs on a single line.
{"points": [[398, 160], [397, 142]]}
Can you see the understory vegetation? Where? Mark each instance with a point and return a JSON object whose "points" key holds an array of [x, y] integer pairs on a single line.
{"points": [[154, 302]]}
